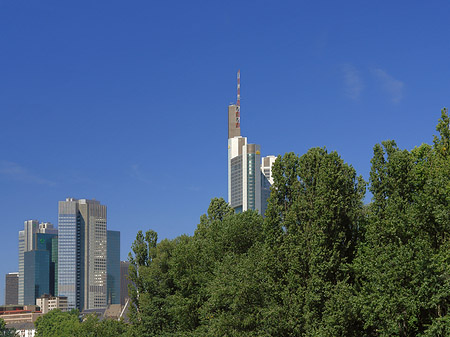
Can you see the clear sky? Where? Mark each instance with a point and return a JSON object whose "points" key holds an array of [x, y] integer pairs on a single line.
{"points": [[126, 101]]}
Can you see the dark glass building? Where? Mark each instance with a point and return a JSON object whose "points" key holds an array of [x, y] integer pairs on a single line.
{"points": [[12, 289], [39, 269], [124, 281], [113, 267]]}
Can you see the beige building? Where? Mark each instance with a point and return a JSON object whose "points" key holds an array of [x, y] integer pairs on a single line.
{"points": [[48, 303], [21, 317]]}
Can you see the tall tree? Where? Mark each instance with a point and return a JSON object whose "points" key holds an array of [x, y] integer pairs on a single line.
{"points": [[313, 221], [403, 265]]}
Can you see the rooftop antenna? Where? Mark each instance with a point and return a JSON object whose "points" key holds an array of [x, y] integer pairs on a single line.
{"points": [[238, 101]]}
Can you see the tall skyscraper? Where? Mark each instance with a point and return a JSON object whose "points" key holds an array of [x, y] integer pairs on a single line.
{"points": [[245, 178], [12, 288], [31, 240], [113, 267], [82, 253]]}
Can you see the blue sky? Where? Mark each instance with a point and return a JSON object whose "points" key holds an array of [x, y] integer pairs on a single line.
{"points": [[126, 101]]}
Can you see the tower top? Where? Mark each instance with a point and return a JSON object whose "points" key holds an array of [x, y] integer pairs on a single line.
{"points": [[234, 112]]}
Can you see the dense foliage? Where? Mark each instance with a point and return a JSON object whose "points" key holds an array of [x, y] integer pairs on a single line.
{"points": [[321, 263], [68, 324]]}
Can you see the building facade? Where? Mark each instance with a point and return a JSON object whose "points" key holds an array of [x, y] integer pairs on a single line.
{"points": [[39, 269], [12, 288], [82, 253], [47, 303], [36, 262], [113, 267], [124, 281]]}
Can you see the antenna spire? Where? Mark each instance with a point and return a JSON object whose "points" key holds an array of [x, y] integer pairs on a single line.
{"points": [[238, 102]]}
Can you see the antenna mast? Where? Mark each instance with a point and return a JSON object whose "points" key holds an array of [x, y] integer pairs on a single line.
{"points": [[238, 101]]}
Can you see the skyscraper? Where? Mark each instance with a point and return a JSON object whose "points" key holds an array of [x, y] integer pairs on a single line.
{"points": [[12, 288], [245, 177], [124, 281], [35, 246], [82, 253], [113, 267]]}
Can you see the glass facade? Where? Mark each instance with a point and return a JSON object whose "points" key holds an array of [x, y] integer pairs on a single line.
{"points": [[70, 264], [35, 251], [251, 181], [36, 275], [54, 262], [21, 257], [82, 253], [113, 267]]}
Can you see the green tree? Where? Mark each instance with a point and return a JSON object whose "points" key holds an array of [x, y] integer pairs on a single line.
{"points": [[403, 264], [313, 223], [56, 323]]}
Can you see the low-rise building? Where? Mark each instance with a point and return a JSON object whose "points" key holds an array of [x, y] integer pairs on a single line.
{"points": [[23, 329]]}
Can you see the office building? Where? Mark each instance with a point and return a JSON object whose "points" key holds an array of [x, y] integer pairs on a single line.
{"points": [[39, 269], [47, 303], [247, 185], [113, 267], [12, 289], [124, 281], [82, 253], [36, 237]]}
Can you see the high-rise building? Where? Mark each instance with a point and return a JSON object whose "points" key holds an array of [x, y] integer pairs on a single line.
{"points": [[39, 269], [25, 244], [124, 281], [82, 253], [12, 289], [113, 267], [246, 182], [36, 237]]}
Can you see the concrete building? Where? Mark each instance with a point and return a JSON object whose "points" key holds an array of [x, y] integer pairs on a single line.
{"points": [[247, 186], [12, 288], [34, 240], [48, 303], [82, 253], [124, 282], [113, 267]]}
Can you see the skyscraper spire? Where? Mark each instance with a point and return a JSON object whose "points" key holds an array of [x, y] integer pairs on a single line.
{"points": [[238, 102]]}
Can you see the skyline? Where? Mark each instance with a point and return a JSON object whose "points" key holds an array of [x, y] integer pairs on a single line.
{"points": [[127, 103]]}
